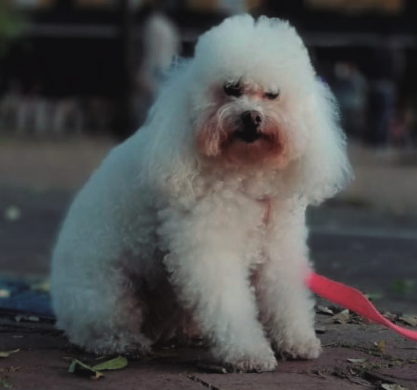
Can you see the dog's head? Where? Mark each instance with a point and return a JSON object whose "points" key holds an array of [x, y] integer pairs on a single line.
{"points": [[250, 97], [250, 83]]}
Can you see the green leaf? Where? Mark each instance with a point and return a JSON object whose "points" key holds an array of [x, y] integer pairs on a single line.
{"points": [[72, 366], [75, 363], [5, 384], [113, 364], [5, 354]]}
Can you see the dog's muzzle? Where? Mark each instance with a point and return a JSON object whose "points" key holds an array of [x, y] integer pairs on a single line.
{"points": [[250, 122]]}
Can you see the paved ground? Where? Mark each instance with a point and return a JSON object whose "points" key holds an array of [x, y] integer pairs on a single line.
{"points": [[366, 238], [355, 356]]}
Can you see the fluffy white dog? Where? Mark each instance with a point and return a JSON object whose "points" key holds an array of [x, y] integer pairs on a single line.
{"points": [[201, 213]]}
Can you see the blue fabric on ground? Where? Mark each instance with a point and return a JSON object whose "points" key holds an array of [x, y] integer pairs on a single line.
{"points": [[24, 300]]}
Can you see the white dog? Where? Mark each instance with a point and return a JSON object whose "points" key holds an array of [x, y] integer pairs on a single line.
{"points": [[201, 213]]}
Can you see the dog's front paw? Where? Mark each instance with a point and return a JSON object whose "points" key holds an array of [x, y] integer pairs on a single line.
{"points": [[136, 351], [131, 345], [309, 348], [252, 363]]}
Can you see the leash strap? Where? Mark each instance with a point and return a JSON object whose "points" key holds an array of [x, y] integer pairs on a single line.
{"points": [[354, 300]]}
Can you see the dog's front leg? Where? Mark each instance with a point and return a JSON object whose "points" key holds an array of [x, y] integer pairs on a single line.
{"points": [[206, 267], [285, 302]]}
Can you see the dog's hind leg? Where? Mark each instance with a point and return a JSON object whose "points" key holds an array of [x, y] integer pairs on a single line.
{"points": [[102, 315]]}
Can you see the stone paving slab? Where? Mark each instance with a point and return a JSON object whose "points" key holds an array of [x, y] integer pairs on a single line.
{"points": [[267, 381], [45, 354]]}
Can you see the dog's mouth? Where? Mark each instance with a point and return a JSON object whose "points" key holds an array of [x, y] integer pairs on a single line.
{"points": [[248, 137], [253, 147], [254, 140]]}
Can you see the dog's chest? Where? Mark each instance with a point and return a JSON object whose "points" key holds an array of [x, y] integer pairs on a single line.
{"points": [[266, 206], [257, 234]]}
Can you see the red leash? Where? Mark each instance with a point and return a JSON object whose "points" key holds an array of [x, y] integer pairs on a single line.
{"points": [[354, 300]]}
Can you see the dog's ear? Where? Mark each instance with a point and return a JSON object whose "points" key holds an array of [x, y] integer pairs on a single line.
{"points": [[324, 167], [168, 152]]}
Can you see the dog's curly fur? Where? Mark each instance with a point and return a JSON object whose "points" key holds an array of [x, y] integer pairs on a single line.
{"points": [[201, 213]]}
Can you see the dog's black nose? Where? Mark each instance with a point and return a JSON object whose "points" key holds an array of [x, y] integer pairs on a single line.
{"points": [[248, 131], [251, 119]]}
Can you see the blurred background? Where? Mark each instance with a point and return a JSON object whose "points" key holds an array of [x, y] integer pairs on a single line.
{"points": [[78, 76]]}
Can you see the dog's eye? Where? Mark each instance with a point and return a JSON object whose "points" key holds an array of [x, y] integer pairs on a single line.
{"points": [[233, 89], [271, 95]]}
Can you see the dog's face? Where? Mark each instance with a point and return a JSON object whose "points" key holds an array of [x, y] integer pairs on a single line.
{"points": [[249, 94], [243, 124]]}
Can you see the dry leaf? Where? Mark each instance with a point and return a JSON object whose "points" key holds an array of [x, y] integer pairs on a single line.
{"points": [[5, 354], [324, 310], [389, 386], [409, 320], [390, 316], [357, 360], [380, 346], [212, 368], [342, 317]]}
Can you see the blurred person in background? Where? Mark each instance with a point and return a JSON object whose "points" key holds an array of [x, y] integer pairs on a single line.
{"points": [[350, 88], [386, 63]]}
